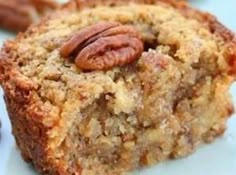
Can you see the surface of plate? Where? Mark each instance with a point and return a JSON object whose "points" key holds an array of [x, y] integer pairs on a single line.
{"points": [[218, 158]]}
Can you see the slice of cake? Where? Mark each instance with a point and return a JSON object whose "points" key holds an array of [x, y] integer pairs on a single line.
{"points": [[100, 89]]}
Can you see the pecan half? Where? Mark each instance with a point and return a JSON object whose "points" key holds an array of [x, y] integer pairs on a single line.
{"points": [[103, 46], [17, 15]]}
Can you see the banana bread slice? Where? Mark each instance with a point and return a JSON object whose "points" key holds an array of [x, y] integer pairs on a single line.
{"points": [[145, 104]]}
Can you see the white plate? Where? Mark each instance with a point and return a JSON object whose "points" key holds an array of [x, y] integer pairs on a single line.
{"points": [[218, 158]]}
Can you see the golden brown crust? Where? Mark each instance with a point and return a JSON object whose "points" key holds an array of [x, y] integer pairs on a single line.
{"points": [[18, 100], [26, 113]]}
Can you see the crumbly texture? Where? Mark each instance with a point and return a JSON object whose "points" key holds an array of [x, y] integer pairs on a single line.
{"points": [[162, 106]]}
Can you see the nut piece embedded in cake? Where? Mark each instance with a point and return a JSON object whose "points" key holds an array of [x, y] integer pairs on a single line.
{"points": [[103, 46]]}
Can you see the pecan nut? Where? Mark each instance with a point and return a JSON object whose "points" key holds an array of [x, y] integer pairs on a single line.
{"points": [[17, 15], [103, 46]]}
